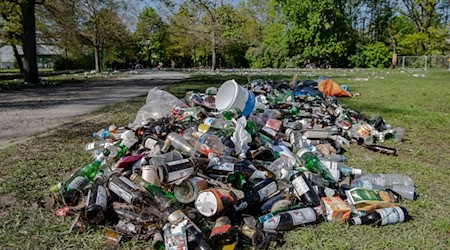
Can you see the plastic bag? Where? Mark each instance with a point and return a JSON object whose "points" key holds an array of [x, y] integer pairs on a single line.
{"points": [[159, 103], [241, 138]]}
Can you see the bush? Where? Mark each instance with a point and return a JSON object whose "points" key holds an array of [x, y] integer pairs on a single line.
{"points": [[75, 62], [374, 55]]}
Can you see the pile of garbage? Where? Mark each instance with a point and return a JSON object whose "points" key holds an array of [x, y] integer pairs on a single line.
{"points": [[233, 167]]}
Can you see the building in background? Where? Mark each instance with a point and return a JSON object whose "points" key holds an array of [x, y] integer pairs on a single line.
{"points": [[46, 56]]}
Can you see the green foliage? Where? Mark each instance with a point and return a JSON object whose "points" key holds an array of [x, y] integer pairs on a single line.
{"points": [[374, 55], [318, 29], [80, 61], [150, 37]]}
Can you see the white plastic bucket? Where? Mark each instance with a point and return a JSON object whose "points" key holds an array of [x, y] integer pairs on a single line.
{"points": [[232, 96]]}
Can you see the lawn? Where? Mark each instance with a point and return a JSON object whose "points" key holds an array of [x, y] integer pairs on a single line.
{"points": [[420, 103]]}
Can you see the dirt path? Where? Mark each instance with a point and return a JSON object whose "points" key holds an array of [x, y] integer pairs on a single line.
{"points": [[31, 111]]}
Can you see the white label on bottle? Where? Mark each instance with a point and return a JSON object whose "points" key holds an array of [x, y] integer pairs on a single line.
{"points": [[300, 186], [180, 174], [330, 164], [272, 223], [120, 192], [208, 121], [177, 162], [129, 183], [78, 183], [257, 174], [150, 143], [101, 199], [227, 166], [335, 173], [391, 215], [90, 146], [303, 216], [270, 131], [357, 220], [267, 190], [88, 197]]}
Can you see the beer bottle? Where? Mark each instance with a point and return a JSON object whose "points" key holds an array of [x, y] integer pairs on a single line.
{"points": [[176, 170], [165, 199], [244, 167], [304, 190], [289, 220], [381, 217], [312, 163], [86, 174], [255, 195], [129, 192], [96, 203]]}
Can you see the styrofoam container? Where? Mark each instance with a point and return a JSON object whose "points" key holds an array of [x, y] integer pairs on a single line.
{"points": [[232, 96]]}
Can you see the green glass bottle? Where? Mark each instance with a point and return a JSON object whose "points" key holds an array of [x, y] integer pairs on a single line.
{"points": [[86, 174], [251, 128], [237, 180], [231, 113], [312, 163], [165, 198]]}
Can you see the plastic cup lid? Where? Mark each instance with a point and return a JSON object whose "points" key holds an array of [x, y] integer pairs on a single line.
{"points": [[206, 203]]}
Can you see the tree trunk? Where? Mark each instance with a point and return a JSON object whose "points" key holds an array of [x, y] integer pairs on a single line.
{"points": [[98, 63], [18, 58], [213, 50], [29, 41]]}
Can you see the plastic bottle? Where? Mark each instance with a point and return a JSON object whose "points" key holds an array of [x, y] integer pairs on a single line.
{"points": [[312, 163], [212, 144], [218, 123], [179, 143], [289, 220], [341, 168], [388, 180], [381, 217], [406, 192], [102, 134], [281, 167]]}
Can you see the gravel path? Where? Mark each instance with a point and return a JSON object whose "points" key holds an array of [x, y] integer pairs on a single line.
{"points": [[28, 112]]}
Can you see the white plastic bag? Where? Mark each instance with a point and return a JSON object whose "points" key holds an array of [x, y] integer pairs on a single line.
{"points": [[159, 104], [241, 138]]}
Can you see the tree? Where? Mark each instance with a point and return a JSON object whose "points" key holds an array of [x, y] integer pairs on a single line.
{"points": [[200, 18], [11, 29], [28, 36], [318, 29], [422, 14], [91, 22], [150, 36]]}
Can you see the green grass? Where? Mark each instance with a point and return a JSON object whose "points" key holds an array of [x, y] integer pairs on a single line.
{"points": [[421, 105]]}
